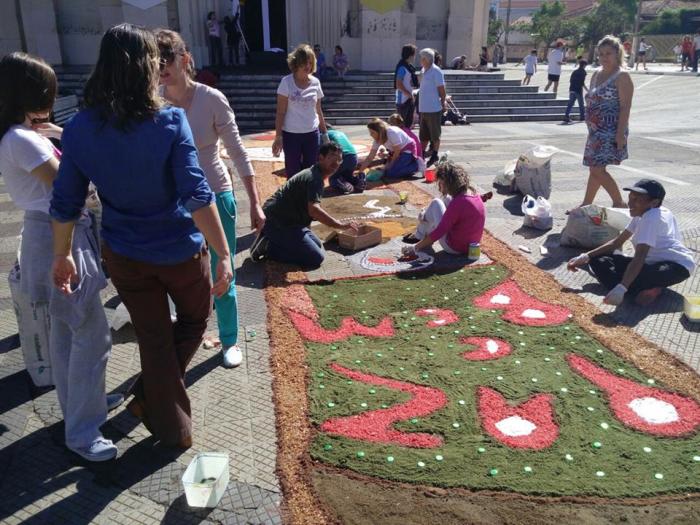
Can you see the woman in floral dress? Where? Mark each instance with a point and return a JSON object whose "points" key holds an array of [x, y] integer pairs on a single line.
{"points": [[608, 104]]}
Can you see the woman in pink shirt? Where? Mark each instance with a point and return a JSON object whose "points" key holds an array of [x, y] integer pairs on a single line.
{"points": [[212, 121], [454, 221]]}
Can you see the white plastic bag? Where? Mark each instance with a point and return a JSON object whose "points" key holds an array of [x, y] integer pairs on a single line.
{"points": [[506, 179], [537, 213], [592, 225], [533, 172]]}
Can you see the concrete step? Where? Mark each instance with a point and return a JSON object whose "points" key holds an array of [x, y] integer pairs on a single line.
{"points": [[520, 95], [355, 85], [460, 103], [500, 110], [514, 117], [370, 92]]}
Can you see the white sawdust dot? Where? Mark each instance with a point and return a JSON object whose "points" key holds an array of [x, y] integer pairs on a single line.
{"points": [[653, 410], [500, 299], [491, 346], [532, 313], [515, 426]]}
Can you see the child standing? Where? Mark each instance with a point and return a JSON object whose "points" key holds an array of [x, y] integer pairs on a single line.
{"points": [[456, 220], [577, 83], [344, 180], [530, 62]]}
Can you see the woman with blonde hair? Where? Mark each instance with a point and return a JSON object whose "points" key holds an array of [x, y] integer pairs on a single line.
{"points": [[299, 121], [456, 220], [402, 150], [608, 104], [212, 121]]}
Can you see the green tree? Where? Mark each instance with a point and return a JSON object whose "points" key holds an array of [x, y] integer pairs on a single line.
{"points": [[496, 29], [609, 17]]}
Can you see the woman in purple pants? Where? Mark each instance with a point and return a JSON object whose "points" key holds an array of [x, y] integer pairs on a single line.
{"points": [[299, 124]]}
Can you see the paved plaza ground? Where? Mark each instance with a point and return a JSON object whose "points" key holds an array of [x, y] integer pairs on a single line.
{"points": [[233, 412]]}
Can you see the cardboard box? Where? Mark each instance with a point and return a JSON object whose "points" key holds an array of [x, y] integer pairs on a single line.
{"points": [[364, 237]]}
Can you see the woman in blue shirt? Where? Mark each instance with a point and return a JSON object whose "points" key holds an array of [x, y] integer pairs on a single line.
{"points": [[156, 206]]}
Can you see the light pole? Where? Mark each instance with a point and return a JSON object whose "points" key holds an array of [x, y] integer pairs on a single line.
{"points": [[505, 38], [635, 37]]}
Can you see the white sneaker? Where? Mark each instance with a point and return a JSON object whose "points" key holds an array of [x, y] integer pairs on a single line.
{"points": [[99, 450], [232, 356], [114, 400]]}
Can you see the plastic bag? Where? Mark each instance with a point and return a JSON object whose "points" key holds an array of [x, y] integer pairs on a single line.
{"points": [[506, 179], [592, 225], [533, 171], [537, 213]]}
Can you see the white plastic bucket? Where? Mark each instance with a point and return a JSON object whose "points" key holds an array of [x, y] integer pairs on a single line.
{"points": [[205, 479]]}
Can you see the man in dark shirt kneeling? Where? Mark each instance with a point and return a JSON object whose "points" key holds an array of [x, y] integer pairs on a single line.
{"points": [[577, 83], [286, 236]]}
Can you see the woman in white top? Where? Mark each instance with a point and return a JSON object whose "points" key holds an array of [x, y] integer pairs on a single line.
{"points": [[79, 338], [660, 258], [212, 120], [402, 149], [299, 121]]}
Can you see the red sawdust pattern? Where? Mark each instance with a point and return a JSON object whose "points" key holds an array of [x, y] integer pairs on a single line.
{"points": [[621, 392], [538, 410], [381, 260], [481, 353], [376, 425], [310, 329], [443, 317], [519, 302]]}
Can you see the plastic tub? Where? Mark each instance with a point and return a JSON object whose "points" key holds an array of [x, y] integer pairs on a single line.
{"points": [[205, 479], [691, 307], [430, 175]]}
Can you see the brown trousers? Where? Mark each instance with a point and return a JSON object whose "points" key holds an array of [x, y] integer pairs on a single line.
{"points": [[166, 348]]}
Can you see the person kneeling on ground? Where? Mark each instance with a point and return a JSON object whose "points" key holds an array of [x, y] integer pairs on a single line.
{"points": [[660, 259], [456, 220], [403, 161], [286, 236], [344, 180]]}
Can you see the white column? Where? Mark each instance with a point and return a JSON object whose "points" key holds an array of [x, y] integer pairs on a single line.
{"points": [[41, 34]]}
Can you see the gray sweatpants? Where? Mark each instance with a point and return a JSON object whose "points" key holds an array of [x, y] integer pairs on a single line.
{"points": [[80, 340], [428, 220]]}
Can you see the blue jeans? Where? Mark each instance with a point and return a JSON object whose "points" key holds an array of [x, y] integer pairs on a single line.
{"points": [[227, 304], [300, 151], [293, 245], [405, 166], [573, 96]]}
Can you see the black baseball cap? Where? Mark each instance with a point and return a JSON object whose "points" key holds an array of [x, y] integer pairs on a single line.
{"points": [[649, 187]]}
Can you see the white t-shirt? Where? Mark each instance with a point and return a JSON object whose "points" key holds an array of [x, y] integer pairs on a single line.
{"points": [[696, 41], [643, 47], [555, 56], [395, 136], [213, 27], [21, 151], [658, 228], [530, 63], [301, 116], [429, 97]]}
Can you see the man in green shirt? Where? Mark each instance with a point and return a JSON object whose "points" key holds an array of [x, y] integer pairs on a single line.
{"points": [[286, 236]]}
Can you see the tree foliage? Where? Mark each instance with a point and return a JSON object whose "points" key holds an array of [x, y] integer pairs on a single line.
{"points": [[673, 22]]}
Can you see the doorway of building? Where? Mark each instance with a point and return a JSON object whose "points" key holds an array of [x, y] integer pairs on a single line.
{"points": [[265, 24]]}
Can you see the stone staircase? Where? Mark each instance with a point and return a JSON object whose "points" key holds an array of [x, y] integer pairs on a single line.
{"points": [[484, 97]]}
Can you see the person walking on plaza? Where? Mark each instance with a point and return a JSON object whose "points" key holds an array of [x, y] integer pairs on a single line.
{"points": [[660, 258], [79, 337], [687, 53], [608, 101], [555, 60], [299, 121], [157, 212], [431, 104], [286, 237], [530, 62], [212, 121], [577, 84], [216, 48], [696, 51], [405, 80], [642, 54]]}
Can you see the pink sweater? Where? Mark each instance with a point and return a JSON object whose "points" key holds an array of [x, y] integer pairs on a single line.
{"points": [[463, 222]]}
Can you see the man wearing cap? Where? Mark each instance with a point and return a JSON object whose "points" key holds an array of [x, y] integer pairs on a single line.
{"points": [[660, 259]]}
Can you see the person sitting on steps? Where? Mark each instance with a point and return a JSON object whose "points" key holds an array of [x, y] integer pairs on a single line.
{"points": [[660, 258], [286, 236]]}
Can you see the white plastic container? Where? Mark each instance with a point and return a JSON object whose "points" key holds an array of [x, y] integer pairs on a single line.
{"points": [[691, 307], [205, 479]]}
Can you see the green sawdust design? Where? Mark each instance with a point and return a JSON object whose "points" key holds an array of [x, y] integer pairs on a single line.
{"points": [[469, 455]]}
